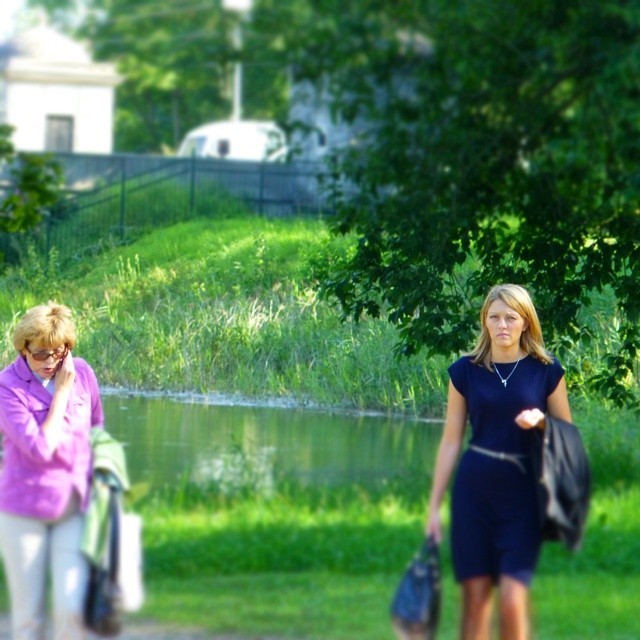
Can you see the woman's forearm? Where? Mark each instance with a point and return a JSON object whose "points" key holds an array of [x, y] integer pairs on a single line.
{"points": [[53, 425], [445, 463]]}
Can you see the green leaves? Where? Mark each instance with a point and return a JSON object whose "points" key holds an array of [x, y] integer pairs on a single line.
{"points": [[34, 187]]}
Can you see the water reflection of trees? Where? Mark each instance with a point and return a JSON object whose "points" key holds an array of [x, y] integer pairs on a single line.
{"points": [[237, 471], [169, 440]]}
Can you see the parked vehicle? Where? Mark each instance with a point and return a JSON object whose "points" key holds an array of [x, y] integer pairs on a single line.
{"points": [[236, 140]]}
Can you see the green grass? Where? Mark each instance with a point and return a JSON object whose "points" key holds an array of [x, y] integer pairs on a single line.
{"points": [[323, 606], [300, 605], [323, 566], [229, 303]]}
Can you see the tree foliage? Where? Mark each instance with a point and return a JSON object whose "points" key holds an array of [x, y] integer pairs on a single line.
{"points": [[508, 154], [34, 186]]}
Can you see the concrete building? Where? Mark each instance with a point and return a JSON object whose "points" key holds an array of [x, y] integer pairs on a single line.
{"points": [[54, 95]]}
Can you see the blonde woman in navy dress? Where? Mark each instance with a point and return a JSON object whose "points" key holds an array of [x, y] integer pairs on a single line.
{"points": [[503, 388]]}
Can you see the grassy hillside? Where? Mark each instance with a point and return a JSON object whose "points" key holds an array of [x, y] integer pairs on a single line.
{"points": [[226, 304]]}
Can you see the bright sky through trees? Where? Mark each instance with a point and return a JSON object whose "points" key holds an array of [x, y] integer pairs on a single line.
{"points": [[9, 9]]}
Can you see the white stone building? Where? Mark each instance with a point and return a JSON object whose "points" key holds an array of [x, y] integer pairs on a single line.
{"points": [[53, 94]]}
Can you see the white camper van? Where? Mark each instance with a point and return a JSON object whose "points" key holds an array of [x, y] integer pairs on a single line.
{"points": [[236, 140]]}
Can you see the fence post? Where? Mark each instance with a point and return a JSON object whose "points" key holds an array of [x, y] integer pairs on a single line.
{"points": [[192, 183], [123, 195], [47, 252], [261, 193]]}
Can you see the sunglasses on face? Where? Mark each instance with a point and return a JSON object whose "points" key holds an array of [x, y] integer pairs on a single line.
{"points": [[56, 354]]}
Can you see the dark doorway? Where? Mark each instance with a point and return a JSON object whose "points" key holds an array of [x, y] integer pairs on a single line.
{"points": [[59, 134]]}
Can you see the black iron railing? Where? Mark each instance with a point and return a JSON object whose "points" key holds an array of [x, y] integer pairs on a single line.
{"points": [[111, 199]]}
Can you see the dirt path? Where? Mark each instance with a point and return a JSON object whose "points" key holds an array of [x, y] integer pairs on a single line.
{"points": [[147, 630]]}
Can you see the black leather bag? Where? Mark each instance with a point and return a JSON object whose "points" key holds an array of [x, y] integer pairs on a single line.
{"points": [[103, 600], [103, 613], [415, 609]]}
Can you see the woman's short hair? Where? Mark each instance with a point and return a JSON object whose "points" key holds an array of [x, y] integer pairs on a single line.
{"points": [[48, 324], [531, 341]]}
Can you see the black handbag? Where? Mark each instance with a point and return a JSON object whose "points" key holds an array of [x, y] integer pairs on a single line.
{"points": [[415, 609], [103, 600]]}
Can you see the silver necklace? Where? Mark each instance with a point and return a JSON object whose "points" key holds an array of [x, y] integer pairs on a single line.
{"points": [[505, 380]]}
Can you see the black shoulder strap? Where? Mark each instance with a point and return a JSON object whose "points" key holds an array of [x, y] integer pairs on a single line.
{"points": [[114, 534]]}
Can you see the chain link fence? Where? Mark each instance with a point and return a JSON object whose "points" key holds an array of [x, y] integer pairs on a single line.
{"points": [[114, 199]]}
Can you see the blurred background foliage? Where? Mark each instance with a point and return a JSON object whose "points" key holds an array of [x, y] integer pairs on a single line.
{"points": [[490, 143]]}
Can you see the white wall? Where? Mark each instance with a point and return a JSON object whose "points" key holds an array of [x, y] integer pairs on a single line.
{"points": [[311, 106], [3, 99], [91, 107]]}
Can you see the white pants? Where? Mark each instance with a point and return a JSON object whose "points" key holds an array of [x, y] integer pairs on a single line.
{"points": [[31, 547]]}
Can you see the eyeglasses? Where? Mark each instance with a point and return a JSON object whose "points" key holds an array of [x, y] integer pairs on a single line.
{"points": [[56, 354]]}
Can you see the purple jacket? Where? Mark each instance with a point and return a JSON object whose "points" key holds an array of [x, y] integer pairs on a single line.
{"points": [[36, 482]]}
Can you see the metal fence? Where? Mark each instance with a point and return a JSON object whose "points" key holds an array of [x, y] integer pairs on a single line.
{"points": [[113, 199]]}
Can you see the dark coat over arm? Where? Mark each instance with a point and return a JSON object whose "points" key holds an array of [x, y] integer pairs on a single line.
{"points": [[564, 482]]}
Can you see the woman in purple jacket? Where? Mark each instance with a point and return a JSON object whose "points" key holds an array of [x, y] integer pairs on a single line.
{"points": [[49, 401]]}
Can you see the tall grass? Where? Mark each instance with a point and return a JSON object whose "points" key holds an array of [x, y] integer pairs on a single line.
{"points": [[229, 305]]}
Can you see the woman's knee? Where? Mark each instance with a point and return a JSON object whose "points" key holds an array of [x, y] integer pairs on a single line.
{"points": [[477, 594], [477, 597], [514, 598]]}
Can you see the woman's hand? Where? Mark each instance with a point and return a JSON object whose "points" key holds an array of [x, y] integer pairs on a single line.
{"points": [[53, 427], [433, 526], [530, 419], [66, 374]]}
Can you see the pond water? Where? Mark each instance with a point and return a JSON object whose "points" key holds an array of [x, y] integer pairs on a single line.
{"points": [[168, 440]]}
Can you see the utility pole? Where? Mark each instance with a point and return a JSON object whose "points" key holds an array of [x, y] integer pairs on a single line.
{"points": [[242, 7]]}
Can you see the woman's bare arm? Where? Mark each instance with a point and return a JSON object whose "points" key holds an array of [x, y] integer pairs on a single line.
{"points": [[448, 451]]}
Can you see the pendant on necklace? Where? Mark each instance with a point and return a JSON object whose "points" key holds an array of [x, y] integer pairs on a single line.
{"points": [[505, 380]]}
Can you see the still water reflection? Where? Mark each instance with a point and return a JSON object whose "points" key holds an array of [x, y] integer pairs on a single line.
{"points": [[167, 439]]}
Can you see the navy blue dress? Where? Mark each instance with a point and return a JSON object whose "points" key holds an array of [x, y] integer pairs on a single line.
{"points": [[495, 527]]}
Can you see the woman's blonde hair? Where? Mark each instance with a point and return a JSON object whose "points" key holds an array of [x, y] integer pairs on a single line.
{"points": [[49, 324], [531, 340]]}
